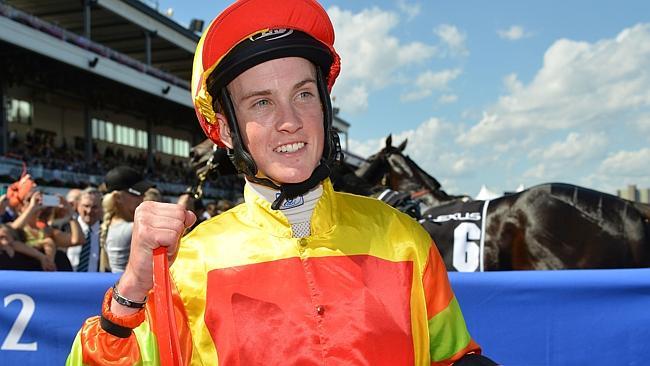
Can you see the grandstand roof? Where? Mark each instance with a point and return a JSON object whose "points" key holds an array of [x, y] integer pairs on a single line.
{"points": [[115, 23], [129, 32]]}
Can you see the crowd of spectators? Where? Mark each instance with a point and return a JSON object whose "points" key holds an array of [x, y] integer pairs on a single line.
{"points": [[39, 235], [38, 150], [36, 235]]}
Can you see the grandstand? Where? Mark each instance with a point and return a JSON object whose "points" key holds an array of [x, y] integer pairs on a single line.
{"points": [[86, 85]]}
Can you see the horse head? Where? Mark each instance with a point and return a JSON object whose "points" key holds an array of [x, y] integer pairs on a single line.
{"points": [[391, 168], [207, 161]]}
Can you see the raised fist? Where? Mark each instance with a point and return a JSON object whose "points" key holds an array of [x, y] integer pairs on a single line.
{"points": [[155, 224]]}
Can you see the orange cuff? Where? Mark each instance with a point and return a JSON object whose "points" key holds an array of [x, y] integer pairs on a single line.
{"points": [[130, 321]]}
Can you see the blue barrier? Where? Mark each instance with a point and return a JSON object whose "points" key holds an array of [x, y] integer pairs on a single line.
{"points": [[43, 312], [587, 317], [580, 317]]}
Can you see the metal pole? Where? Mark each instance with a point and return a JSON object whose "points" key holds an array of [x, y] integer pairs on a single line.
{"points": [[147, 46], [150, 146], [88, 135], [3, 121], [87, 4]]}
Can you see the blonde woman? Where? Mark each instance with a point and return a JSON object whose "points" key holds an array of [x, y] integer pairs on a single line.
{"points": [[125, 189]]}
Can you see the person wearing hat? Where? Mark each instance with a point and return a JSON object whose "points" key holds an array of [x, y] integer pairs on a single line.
{"points": [[125, 188], [298, 274]]}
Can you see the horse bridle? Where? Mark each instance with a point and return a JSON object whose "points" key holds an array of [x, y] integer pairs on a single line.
{"points": [[197, 190]]}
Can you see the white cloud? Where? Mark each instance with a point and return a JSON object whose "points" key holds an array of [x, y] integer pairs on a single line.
{"points": [[576, 148], [371, 56], [627, 164], [581, 85], [453, 38], [414, 53], [410, 9], [367, 147], [643, 124], [577, 152], [448, 98], [355, 99], [514, 33], [512, 83], [620, 169], [537, 172], [462, 164], [429, 81], [431, 146]]}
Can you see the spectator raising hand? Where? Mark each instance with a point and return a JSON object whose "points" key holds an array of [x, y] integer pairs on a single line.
{"points": [[27, 201], [15, 255]]}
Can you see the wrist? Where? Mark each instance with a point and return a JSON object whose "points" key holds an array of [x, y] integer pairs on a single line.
{"points": [[130, 287], [128, 292], [129, 303], [116, 322]]}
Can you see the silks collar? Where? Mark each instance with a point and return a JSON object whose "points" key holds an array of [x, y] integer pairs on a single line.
{"points": [[261, 215]]}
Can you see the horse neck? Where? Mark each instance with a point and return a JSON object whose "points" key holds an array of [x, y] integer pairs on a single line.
{"points": [[371, 172], [421, 185], [432, 198]]}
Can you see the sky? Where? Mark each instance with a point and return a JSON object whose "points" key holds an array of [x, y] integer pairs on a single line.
{"points": [[497, 93]]}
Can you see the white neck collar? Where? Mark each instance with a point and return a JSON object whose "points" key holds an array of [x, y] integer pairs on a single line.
{"points": [[297, 210]]}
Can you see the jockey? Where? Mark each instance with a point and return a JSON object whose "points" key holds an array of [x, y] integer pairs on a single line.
{"points": [[298, 273]]}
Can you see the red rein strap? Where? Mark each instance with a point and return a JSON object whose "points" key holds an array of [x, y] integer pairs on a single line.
{"points": [[169, 347]]}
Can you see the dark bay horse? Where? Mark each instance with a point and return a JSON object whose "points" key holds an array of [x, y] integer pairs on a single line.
{"points": [[549, 226]]}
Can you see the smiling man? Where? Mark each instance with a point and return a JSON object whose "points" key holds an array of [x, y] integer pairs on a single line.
{"points": [[298, 274], [282, 124], [85, 257]]}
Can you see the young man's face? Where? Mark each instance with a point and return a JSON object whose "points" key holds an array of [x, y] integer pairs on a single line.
{"points": [[280, 116]]}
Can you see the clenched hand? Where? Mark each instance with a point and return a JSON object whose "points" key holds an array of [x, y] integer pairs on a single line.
{"points": [[156, 224]]}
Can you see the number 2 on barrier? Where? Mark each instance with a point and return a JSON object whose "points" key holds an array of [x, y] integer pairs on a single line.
{"points": [[12, 341], [466, 250]]}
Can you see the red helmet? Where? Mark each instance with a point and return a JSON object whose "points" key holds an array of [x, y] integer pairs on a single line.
{"points": [[246, 21]]}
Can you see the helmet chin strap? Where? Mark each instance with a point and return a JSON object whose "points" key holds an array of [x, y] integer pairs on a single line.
{"points": [[245, 164], [293, 190]]}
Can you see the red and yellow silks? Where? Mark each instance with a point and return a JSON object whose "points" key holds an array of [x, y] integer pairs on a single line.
{"points": [[366, 288]]}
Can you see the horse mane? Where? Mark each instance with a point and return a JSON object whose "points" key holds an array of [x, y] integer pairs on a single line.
{"points": [[427, 181], [431, 182]]}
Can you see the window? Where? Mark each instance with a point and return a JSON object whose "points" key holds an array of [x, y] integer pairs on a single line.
{"points": [[181, 148], [108, 126], [19, 111], [172, 146], [99, 129], [115, 133], [125, 135], [164, 144], [143, 141]]}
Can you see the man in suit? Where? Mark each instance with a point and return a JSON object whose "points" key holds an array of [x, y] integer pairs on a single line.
{"points": [[85, 257]]}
